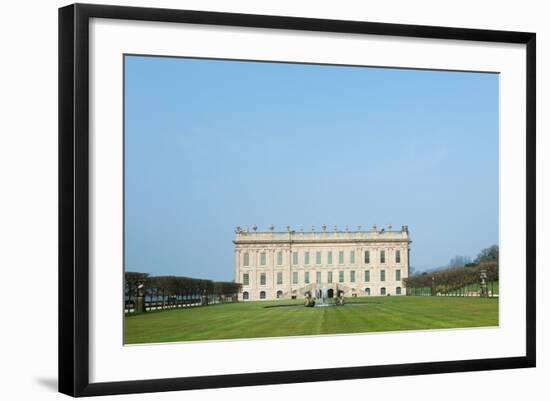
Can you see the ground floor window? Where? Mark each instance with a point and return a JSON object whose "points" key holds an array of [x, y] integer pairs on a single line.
{"points": [[367, 291], [398, 291], [245, 295], [279, 294], [262, 294], [383, 291]]}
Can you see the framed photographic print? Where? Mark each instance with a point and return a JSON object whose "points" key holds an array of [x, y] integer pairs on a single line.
{"points": [[306, 197]]}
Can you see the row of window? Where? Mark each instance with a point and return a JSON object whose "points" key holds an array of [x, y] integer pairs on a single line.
{"points": [[318, 277], [319, 257], [383, 291]]}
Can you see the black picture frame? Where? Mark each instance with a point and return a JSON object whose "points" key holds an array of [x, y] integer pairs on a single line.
{"points": [[74, 198]]}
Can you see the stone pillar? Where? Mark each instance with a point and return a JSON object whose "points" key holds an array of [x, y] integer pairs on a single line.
{"points": [[140, 300], [483, 283]]}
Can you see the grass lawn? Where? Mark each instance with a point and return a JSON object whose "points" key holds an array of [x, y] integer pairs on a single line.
{"points": [[253, 319]]}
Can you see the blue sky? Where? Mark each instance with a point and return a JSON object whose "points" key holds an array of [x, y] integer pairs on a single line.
{"points": [[213, 144]]}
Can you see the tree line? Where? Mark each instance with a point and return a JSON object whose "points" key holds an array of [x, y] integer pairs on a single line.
{"points": [[166, 292], [457, 280]]}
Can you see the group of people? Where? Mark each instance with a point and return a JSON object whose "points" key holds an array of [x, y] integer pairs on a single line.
{"points": [[309, 300]]}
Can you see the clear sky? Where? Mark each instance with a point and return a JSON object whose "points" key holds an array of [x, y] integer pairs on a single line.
{"points": [[213, 144]]}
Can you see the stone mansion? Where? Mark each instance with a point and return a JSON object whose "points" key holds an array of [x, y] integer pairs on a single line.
{"points": [[272, 264]]}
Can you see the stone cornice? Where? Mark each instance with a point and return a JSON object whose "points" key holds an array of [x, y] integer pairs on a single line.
{"points": [[320, 241]]}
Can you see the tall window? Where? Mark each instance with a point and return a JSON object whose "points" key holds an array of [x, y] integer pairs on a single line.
{"points": [[279, 277], [318, 277], [398, 291], [383, 291], [352, 257], [262, 294], [246, 259], [262, 279], [246, 279], [341, 257], [245, 295], [367, 276], [398, 275], [329, 277], [341, 276], [306, 258], [294, 258], [318, 257], [367, 257], [263, 259], [329, 257], [398, 256], [382, 256], [306, 277], [294, 277], [367, 291], [382, 275], [352, 276], [280, 258]]}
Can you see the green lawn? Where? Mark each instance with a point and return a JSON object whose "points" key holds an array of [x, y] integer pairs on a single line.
{"points": [[252, 319]]}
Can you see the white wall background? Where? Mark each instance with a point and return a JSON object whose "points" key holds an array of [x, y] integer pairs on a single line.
{"points": [[28, 197]]}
